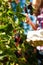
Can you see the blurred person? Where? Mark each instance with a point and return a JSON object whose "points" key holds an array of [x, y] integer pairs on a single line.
{"points": [[40, 19], [30, 8]]}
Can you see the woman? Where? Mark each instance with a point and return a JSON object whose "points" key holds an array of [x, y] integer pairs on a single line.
{"points": [[40, 20]]}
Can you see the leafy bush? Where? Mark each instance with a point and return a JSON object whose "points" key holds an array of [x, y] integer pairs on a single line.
{"points": [[13, 46]]}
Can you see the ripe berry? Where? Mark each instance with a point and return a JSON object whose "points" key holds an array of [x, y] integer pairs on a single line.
{"points": [[14, 31], [17, 37]]}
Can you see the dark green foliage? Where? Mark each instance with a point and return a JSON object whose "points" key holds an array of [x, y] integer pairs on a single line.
{"points": [[10, 54]]}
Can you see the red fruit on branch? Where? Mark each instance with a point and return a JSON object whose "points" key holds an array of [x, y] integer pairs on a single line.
{"points": [[16, 44], [14, 31], [17, 37]]}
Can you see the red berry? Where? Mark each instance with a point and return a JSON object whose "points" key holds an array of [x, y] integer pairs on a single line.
{"points": [[16, 44], [14, 31]]}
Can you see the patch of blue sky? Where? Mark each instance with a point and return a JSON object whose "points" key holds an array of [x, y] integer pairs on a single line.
{"points": [[31, 0]]}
